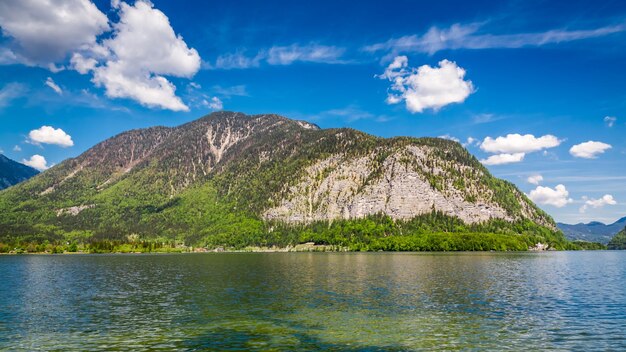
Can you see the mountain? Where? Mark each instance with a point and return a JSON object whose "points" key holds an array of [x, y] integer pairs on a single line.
{"points": [[593, 231], [12, 172], [233, 180], [618, 241]]}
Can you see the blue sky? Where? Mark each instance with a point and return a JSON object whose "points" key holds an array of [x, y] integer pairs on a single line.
{"points": [[532, 88]]}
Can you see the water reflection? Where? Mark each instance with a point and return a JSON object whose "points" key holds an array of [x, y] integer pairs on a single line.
{"points": [[353, 301]]}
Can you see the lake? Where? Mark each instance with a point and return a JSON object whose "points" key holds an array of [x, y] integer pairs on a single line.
{"points": [[312, 301]]}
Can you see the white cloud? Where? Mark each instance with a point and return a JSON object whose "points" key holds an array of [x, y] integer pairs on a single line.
{"points": [[7, 56], [426, 87], [610, 120], [45, 31], [82, 64], [143, 48], [50, 135], [512, 148], [36, 161], [151, 91], [589, 150], [286, 55], [517, 143], [557, 197], [281, 55], [130, 62], [505, 158], [534, 179], [17, 148], [10, 92], [607, 199], [55, 87], [237, 61], [467, 36], [213, 103]]}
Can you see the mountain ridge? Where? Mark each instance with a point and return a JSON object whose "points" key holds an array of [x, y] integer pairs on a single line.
{"points": [[263, 172], [593, 231], [13, 172]]}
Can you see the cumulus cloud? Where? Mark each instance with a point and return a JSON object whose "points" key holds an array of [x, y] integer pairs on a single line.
{"points": [[504, 158], [557, 196], [36, 161], [55, 87], [607, 199], [517, 143], [426, 87], [46, 31], [130, 60], [534, 179], [610, 120], [280, 55], [512, 148], [589, 150], [50, 135], [17, 148], [142, 50], [82, 64], [468, 36]]}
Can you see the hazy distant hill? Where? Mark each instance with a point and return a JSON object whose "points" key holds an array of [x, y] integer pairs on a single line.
{"points": [[234, 180], [12, 172], [593, 231]]}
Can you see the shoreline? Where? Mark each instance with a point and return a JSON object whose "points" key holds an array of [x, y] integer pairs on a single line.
{"points": [[284, 250], [308, 247]]}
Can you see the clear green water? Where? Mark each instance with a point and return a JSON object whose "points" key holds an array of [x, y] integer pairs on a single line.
{"points": [[302, 301]]}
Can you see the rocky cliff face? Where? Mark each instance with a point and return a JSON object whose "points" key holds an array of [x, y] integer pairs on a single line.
{"points": [[268, 167], [400, 181], [340, 187]]}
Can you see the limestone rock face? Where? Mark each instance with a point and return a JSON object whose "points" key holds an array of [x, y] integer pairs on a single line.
{"points": [[342, 188]]}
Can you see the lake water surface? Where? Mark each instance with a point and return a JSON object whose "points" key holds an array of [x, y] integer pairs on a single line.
{"points": [[311, 301]]}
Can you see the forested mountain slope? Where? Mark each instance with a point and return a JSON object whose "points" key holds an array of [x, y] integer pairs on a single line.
{"points": [[234, 180], [618, 241]]}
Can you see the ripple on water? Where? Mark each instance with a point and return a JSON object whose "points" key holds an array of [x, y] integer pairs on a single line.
{"points": [[308, 301]]}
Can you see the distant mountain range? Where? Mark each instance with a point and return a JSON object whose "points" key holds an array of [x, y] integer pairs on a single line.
{"points": [[12, 172], [593, 232]]}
